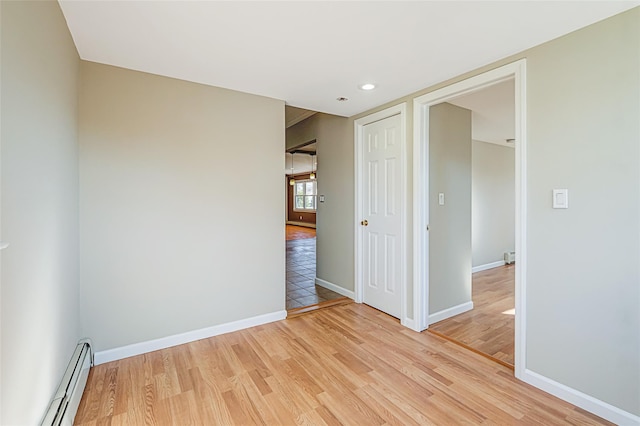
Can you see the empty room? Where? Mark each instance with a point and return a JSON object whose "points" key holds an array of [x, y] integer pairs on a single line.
{"points": [[144, 202], [486, 323]]}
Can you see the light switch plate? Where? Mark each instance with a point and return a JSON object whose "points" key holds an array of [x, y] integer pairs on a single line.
{"points": [[560, 198], [321, 197], [441, 198]]}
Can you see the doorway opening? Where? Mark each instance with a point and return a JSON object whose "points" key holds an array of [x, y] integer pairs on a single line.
{"points": [[488, 327], [301, 186], [423, 199]]}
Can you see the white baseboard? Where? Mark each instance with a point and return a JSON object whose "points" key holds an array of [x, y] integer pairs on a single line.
{"points": [[340, 290], [582, 400], [486, 266], [190, 336], [304, 224], [450, 312]]}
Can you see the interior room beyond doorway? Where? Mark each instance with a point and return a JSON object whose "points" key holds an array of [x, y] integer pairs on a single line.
{"points": [[301, 270], [490, 326], [302, 181], [486, 194]]}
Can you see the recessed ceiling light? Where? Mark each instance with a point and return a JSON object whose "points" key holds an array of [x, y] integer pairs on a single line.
{"points": [[342, 99], [367, 86]]}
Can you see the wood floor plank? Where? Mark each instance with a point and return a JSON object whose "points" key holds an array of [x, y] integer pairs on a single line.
{"points": [[328, 418], [386, 408], [348, 408], [348, 364], [489, 327], [299, 232]]}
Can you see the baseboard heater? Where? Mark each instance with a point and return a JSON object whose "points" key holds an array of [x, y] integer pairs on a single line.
{"points": [[509, 257], [64, 406]]}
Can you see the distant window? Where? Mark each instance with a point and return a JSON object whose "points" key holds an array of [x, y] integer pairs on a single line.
{"points": [[304, 196]]}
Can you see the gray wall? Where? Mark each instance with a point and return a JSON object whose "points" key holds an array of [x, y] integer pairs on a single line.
{"points": [[334, 220], [493, 201], [583, 300], [303, 132], [583, 320], [450, 224], [40, 314], [583, 293], [171, 177], [334, 226]]}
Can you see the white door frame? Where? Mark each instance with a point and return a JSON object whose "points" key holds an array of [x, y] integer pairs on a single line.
{"points": [[358, 151], [421, 105]]}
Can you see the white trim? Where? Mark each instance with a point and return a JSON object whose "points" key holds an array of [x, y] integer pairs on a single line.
{"points": [[582, 400], [520, 360], [450, 312], [421, 105], [420, 215], [400, 109], [190, 336], [333, 287], [486, 266]]}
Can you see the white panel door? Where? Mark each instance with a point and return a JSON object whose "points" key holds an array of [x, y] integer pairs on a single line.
{"points": [[382, 210]]}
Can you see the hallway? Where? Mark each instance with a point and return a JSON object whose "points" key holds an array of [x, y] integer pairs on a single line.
{"points": [[301, 270]]}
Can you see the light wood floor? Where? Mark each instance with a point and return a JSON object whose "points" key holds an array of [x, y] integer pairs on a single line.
{"points": [[299, 232], [490, 326], [349, 364]]}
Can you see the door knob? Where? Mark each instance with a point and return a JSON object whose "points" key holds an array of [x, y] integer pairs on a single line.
{"points": [[364, 222]]}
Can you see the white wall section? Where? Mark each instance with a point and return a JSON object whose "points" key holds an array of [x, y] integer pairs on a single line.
{"points": [[165, 199], [493, 202], [334, 226], [584, 274], [450, 222], [40, 314]]}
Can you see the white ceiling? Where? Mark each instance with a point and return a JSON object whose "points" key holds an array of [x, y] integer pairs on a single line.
{"points": [[493, 113], [309, 53]]}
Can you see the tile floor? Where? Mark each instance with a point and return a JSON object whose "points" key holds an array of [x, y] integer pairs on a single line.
{"points": [[301, 274]]}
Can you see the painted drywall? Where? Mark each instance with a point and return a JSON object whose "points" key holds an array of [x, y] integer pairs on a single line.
{"points": [[302, 163], [493, 202], [303, 132], [169, 238], [334, 229], [583, 293], [583, 321], [40, 313], [334, 218], [449, 224]]}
